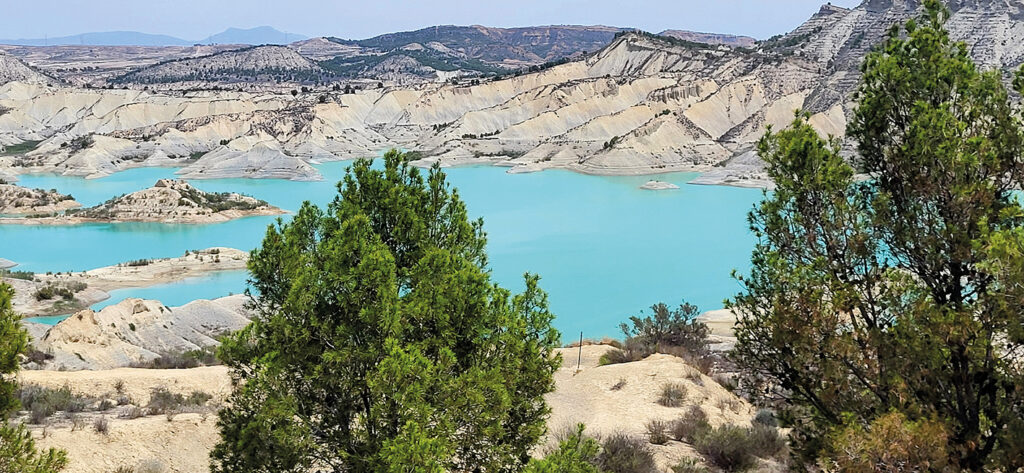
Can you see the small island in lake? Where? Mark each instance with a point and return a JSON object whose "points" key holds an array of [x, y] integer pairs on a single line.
{"points": [[17, 200], [168, 201]]}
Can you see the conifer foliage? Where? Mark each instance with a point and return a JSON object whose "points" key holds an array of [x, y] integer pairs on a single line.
{"points": [[18, 452], [893, 304], [380, 343]]}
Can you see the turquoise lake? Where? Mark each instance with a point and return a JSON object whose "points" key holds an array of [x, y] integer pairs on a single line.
{"points": [[604, 248]]}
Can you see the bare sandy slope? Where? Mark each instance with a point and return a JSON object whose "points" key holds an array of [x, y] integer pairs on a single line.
{"points": [[180, 445], [138, 383], [586, 396]]}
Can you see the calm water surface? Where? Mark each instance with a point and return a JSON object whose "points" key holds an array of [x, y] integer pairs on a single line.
{"points": [[604, 248]]}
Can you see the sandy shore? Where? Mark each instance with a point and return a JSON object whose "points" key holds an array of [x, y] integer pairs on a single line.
{"points": [[158, 271]]}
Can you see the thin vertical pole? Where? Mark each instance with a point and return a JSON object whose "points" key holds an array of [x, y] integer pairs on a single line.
{"points": [[579, 358]]}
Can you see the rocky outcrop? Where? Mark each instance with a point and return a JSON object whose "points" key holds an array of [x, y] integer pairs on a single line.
{"points": [[658, 186], [264, 160], [745, 170], [136, 331], [17, 200]]}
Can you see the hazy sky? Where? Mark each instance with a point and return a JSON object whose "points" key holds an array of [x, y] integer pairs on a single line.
{"points": [[196, 19]]}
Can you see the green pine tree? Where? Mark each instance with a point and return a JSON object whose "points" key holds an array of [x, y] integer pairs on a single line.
{"points": [[380, 343], [900, 293], [18, 452]]}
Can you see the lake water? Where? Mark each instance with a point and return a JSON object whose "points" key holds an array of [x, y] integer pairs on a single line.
{"points": [[604, 248]]}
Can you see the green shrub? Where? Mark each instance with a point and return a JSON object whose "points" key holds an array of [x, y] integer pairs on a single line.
{"points": [[51, 291], [766, 417], [23, 275], [180, 360], [44, 293], [672, 395], [894, 443], [621, 453], [42, 402], [766, 440], [198, 398], [101, 425], [38, 415], [163, 401], [576, 453], [657, 432], [691, 425], [669, 328], [672, 332], [614, 357], [689, 465], [729, 447]]}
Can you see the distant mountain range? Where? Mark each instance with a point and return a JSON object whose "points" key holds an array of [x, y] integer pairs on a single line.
{"points": [[253, 36], [525, 45], [435, 53]]}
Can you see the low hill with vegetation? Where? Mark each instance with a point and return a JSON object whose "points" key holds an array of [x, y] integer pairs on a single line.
{"points": [[17, 200], [257, 63], [176, 201]]}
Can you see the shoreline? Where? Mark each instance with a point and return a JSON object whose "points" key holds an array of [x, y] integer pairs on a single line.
{"points": [[99, 282], [159, 271], [68, 221], [707, 174]]}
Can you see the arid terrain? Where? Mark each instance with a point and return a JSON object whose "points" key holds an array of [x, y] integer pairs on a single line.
{"points": [[139, 380], [619, 398], [641, 104]]}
